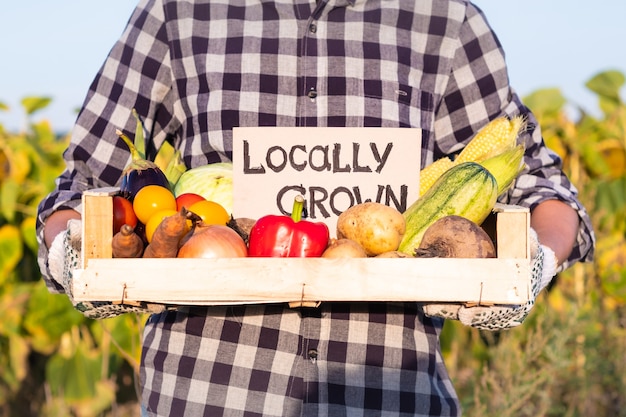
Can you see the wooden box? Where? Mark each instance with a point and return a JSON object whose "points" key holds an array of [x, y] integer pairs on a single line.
{"points": [[298, 281]]}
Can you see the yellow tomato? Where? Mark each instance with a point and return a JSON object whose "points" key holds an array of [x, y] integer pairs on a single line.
{"points": [[210, 212], [151, 199], [156, 219]]}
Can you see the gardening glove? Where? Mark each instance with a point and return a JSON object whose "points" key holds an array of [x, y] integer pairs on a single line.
{"points": [[543, 269], [64, 257]]}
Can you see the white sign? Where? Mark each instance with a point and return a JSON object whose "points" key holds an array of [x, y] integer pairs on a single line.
{"points": [[333, 168]]}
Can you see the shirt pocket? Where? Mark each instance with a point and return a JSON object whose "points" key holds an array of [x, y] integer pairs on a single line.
{"points": [[393, 104], [398, 104]]}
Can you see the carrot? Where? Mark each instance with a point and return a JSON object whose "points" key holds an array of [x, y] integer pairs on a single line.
{"points": [[168, 234], [126, 243]]}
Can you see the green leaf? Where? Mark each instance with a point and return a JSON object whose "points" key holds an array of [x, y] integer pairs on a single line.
{"points": [[608, 105], [607, 84], [75, 376], [126, 331], [545, 102], [98, 404], [29, 233], [32, 104], [13, 299], [48, 317], [14, 362], [10, 250], [9, 194], [21, 166], [611, 195], [18, 352], [42, 133]]}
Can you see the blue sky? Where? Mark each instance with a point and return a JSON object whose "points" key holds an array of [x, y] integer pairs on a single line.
{"points": [[54, 48]]}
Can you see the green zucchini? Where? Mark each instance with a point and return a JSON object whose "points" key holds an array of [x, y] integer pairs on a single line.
{"points": [[467, 189]]}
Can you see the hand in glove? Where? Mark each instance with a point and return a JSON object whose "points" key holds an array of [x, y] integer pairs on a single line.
{"points": [[544, 267], [64, 257]]}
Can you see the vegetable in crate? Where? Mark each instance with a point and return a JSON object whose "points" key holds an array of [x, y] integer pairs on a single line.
{"points": [[123, 213], [213, 181], [213, 241], [505, 167], [467, 190], [140, 172], [168, 235], [344, 248], [126, 243], [376, 227], [455, 237], [288, 237], [497, 137]]}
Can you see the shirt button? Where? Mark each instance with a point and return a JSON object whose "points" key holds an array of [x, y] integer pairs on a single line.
{"points": [[312, 28], [312, 93], [312, 354]]}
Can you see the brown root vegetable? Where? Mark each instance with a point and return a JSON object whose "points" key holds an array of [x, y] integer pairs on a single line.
{"points": [[344, 248], [376, 227], [242, 225], [455, 237], [126, 243], [393, 254], [168, 234]]}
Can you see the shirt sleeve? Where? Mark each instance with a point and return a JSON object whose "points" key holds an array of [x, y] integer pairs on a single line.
{"points": [[135, 75], [478, 91]]}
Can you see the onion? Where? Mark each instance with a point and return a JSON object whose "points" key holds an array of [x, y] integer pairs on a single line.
{"points": [[213, 241]]}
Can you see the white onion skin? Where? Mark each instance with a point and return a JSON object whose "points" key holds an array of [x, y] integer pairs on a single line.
{"points": [[214, 241]]}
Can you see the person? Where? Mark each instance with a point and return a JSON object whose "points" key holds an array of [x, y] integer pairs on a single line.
{"points": [[194, 70]]}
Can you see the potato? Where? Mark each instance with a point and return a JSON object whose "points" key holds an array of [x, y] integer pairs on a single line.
{"points": [[376, 227], [344, 248]]}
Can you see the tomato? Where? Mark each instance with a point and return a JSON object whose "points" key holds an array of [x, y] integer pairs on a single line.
{"points": [[155, 220], [123, 213], [187, 199], [151, 199], [210, 212]]}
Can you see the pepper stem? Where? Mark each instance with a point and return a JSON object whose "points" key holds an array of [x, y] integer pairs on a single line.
{"points": [[298, 206]]}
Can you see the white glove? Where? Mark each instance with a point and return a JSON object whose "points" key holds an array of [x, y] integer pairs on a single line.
{"points": [[543, 269], [64, 257]]}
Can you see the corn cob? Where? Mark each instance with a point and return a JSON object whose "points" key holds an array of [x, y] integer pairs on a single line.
{"points": [[432, 172], [505, 167], [497, 136]]}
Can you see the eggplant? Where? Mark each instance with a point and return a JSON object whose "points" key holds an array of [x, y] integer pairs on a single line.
{"points": [[139, 172]]}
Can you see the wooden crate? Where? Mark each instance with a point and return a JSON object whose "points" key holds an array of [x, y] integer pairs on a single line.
{"points": [[299, 281]]}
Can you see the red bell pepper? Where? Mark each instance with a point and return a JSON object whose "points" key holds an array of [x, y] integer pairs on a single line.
{"points": [[288, 237]]}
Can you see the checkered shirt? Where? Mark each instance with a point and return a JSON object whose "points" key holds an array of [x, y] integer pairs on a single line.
{"points": [[196, 69]]}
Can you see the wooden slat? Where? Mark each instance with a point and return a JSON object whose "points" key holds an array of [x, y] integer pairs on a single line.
{"points": [[97, 224], [299, 281], [257, 280], [512, 225]]}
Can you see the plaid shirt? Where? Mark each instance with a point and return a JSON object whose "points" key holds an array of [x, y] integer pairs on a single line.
{"points": [[196, 69]]}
